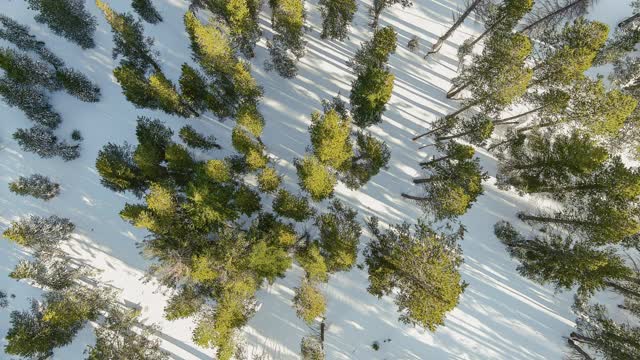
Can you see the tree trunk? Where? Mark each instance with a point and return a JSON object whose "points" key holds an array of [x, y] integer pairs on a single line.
{"points": [[578, 349], [438, 44], [487, 31], [428, 133], [417, 198], [554, 13], [569, 188], [500, 144], [580, 338], [621, 289], [456, 113], [424, 180], [503, 121], [455, 136], [453, 92], [628, 20], [543, 125]]}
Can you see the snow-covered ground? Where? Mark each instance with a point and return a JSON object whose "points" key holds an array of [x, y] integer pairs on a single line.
{"points": [[501, 315]]}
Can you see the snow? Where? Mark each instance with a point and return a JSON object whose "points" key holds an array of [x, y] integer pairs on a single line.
{"points": [[501, 315]]}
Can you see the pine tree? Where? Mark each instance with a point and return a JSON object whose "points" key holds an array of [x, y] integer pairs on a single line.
{"points": [[505, 17], [336, 18], [544, 162], [49, 269], [311, 349], [39, 233], [375, 52], [20, 36], [562, 261], [309, 302], [36, 185], [313, 263], [78, 85], [193, 87], [609, 339], [279, 58], [291, 206], [250, 118], [329, 134], [118, 337], [241, 16], [32, 101], [129, 41], [117, 169], [370, 93], [287, 20], [315, 178], [339, 236], [147, 11], [66, 18], [419, 269], [551, 13], [135, 87], [453, 185], [43, 142], [624, 41], [370, 156], [269, 180], [196, 140], [22, 69], [458, 21], [379, 6]]}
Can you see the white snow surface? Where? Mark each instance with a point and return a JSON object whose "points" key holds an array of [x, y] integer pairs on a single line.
{"points": [[501, 315]]}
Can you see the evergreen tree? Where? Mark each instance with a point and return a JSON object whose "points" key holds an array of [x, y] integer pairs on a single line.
{"points": [[66, 18], [313, 263], [241, 16], [129, 41], [370, 93], [279, 59], [43, 142], [308, 302], [375, 52], [118, 337], [36, 185], [370, 156], [20, 36], [420, 270], [31, 100], [22, 69], [544, 162], [562, 262], [311, 349], [454, 184], [609, 339], [315, 178], [147, 11], [78, 85], [458, 21], [329, 134], [269, 180], [194, 90], [49, 269], [117, 169], [336, 18], [505, 17], [624, 41], [38, 232], [551, 13], [379, 6], [196, 140], [287, 20], [339, 236], [291, 206], [250, 119]]}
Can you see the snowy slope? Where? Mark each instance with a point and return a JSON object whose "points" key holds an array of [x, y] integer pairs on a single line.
{"points": [[501, 315]]}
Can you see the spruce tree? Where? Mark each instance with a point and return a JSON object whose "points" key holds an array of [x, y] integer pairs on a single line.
{"points": [[36, 185], [77, 84], [42, 141], [420, 269], [196, 140], [39, 233], [329, 133], [562, 261], [269, 180], [370, 156], [311, 349], [146, 10], [379, 6], [505, 17], [291, 206], [308, 302], [241, 16], [117, 169], [66, 18], [339, 236], [31, 100], [315, 178], [370, 93], [20, 36], [336, 18]]}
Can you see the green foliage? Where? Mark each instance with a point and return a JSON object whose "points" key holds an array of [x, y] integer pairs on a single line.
{"points": [[42, 141], [562, 262], [38, 232], [313, 263], [195, 92], [117, 169], [31, 100], [311, 349], [78, 85], [36, 185], [196, 140], [339, 236], [420, 270], [268, 261], [370, 93], [370, 156], [315, 178], [247, 200], [145, 9], [19, 35], [241, 16], [292, 206], [309, 302], [66, 18], [336, 18], [329, 134], [375, 52], [185, 303], [269, 180], [250, 119]]}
